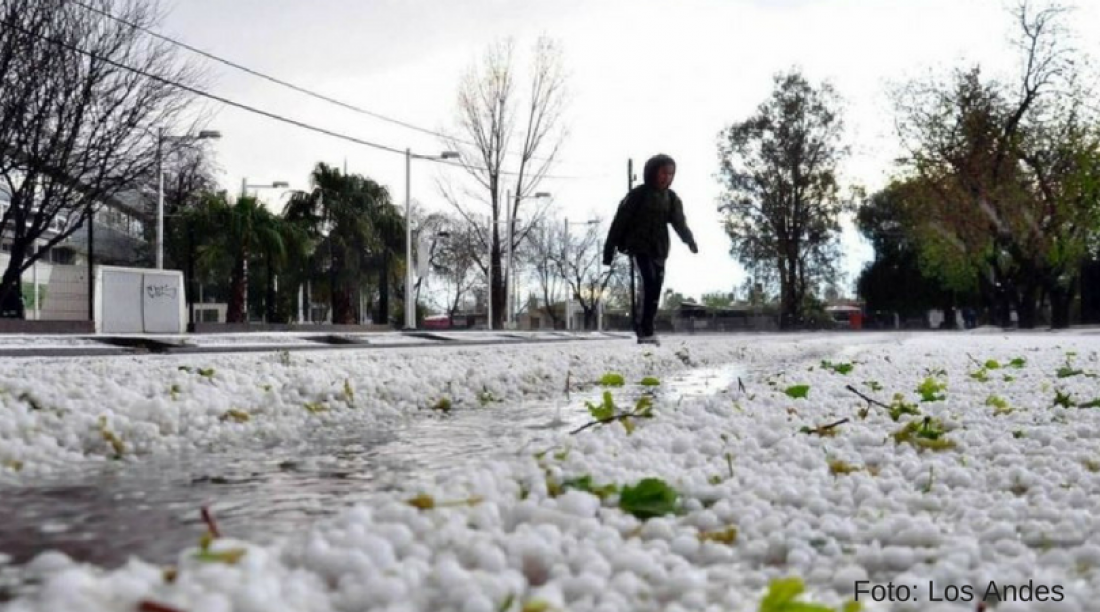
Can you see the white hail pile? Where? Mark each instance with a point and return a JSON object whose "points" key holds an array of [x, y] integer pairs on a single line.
{"points": [[1009, 499]]}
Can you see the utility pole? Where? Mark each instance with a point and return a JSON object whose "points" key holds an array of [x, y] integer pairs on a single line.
{"points": [[633, 306], [160, 199]]}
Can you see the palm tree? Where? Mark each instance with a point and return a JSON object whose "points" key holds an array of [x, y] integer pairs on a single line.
{"points": [[240, 231], [352, 221], [296, 249]]}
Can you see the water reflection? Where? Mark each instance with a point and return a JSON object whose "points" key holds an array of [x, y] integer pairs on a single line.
{"points": [[151, 509]]}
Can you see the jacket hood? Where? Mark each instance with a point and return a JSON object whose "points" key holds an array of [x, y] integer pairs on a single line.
{"points": [[653, 165]]}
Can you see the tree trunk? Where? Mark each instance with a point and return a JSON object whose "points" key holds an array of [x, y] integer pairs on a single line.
{"points": [[497, 292], [949, 317], [789, 308], [11, 288], [345, 313], [1026, 308], [238, 290], [589, 315], [1004, 305], [1061, 298], [191, 272], [269, 301], [384, 290]]}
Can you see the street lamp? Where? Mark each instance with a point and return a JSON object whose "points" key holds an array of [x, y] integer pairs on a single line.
{"points": [[244, 192], [161, 139], [509, 277], [410, 302], [274, 185]]}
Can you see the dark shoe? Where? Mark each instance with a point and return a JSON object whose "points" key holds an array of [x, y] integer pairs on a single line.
{"points": [[648, 340]]}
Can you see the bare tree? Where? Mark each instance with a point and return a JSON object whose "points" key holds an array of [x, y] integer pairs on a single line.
{"points": [[492, 121], [82, 98], [541, 254], [454, 260], [429, 234], [580, 265]]}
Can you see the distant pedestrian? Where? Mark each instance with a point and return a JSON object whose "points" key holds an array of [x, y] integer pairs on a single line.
{"points": [[640, 230]]}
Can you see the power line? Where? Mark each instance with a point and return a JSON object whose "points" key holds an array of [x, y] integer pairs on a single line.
{"points": [[253, 109], [276, 80]]}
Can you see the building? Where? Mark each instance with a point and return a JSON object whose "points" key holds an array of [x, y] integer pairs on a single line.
{"points": [[56, 286]]}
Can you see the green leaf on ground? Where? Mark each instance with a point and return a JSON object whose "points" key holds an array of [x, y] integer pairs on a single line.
{"points": [[927, 434], [721, 536], [839, 368], [650, 381], [899, 407], [930, 390], [584, 483], [838, 467], [230, 557], [648, 498], [605, 410], [783, 595], [1000, 406], [315, 407], [1063, 399], [798, 391], [612, 379], [443, 405]]}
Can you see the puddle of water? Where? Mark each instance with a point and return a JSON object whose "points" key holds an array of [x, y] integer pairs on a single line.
{"points": [[151, 510]]}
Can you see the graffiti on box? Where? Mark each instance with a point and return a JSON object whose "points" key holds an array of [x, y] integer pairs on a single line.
{"points": [[161, 291]]}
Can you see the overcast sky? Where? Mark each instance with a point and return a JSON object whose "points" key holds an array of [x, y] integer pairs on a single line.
{"points": [[645, 76]]}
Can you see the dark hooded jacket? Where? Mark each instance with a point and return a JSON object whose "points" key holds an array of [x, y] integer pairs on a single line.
{"points": [[641, 223]]}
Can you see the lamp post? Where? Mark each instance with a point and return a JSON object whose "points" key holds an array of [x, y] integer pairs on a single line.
{"points": [[244, 192], [510, 273], [410, 302], [161, 139]]}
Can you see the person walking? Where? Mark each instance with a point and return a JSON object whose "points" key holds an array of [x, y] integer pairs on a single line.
{"points": [[640, 230]]}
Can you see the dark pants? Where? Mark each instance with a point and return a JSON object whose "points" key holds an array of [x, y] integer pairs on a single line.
{"points": [[652, 271]]}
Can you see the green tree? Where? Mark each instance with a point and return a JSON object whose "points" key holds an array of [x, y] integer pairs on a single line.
{"points": [[781, 193], [243, 229], [1005, 171], [672, 300], [356, 229], [895, 281], [717, 300]]}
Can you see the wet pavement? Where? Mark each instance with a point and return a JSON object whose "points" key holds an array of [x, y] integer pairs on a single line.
{"points": [[152, 509]]}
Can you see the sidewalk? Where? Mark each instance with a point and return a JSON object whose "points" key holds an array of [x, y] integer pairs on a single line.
{"points": [[130, 344]]}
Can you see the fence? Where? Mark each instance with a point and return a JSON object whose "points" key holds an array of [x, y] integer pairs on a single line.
{"points": [[54, 288]]}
